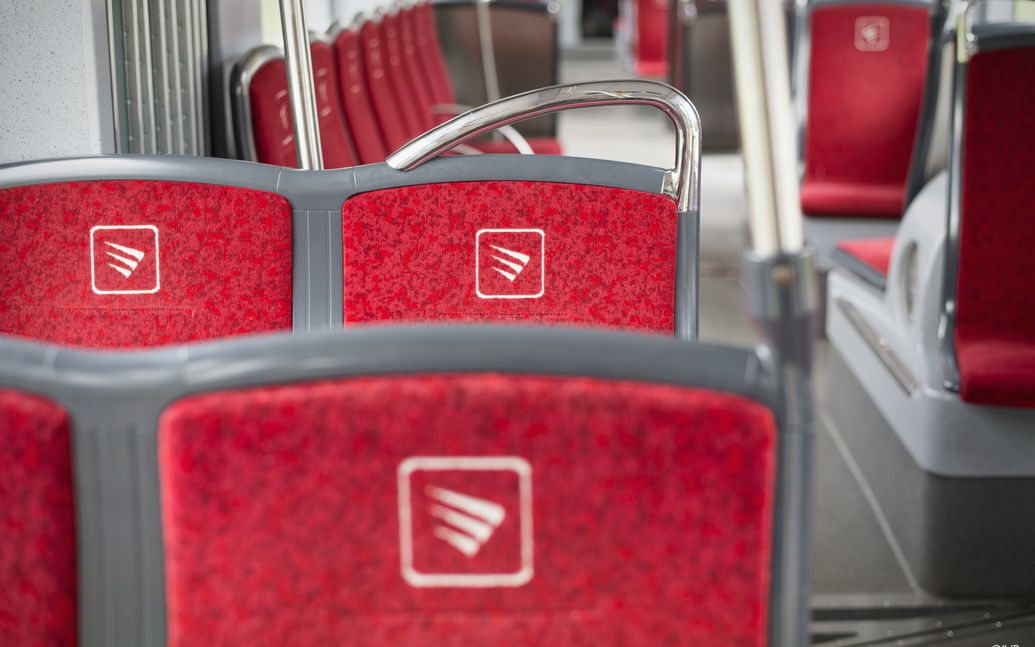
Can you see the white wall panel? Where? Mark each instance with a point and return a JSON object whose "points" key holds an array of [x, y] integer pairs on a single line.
{"points": [[55, 82]]}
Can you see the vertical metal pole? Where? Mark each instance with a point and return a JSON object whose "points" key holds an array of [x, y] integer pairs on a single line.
{"points": [[301, 90], [492, 84], [779, 279], [767, 126]]}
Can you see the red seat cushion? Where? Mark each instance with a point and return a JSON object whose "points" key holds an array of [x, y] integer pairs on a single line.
{"points": [[867, 68], [875, 253], [581, 254], [617, 513], [995, 313], [134, 263], [359, 112], [37, 523], [540, 146]]}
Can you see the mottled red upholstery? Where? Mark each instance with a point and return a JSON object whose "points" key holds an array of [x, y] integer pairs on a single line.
{"points": [[223, 264], [394, 130], [873, 252], [410, 254], [995, 313], [649, 513], [271, 113], [359, 112], [415, 119], [866, 77], [37, 523]]}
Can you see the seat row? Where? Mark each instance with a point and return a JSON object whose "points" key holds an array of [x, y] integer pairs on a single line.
{"points": [[123, 252], [936, 327], [379, 83]]}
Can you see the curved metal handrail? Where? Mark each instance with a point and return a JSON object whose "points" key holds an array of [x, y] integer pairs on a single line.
{"points": [[682, 181]]}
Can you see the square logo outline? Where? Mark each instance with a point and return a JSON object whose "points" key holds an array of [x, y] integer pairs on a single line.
{"points": [[93, 261], [515, 464], [884, 27], [477, 263]]}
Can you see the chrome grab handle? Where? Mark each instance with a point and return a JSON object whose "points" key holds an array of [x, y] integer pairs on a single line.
{"points": [[682, 181]]}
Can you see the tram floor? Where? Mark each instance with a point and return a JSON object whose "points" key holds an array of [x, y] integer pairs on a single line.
{"points": [[862, 593]]}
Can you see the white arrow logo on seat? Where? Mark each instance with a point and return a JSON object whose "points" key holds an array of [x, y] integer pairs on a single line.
{"points": [[125, 265], [515, 268], [468, 522]]}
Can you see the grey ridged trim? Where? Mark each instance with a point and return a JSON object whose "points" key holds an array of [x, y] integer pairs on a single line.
{"points": [[318, 269], [688, 283], [880, 347], [537, 168]]}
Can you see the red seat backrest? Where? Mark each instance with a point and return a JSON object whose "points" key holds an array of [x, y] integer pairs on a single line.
{"points": [[995, 312], [334, 133], [137, 263], [418, 74], [426, 33], [37, 523], [352, 81], [271, 113], [577, 254], [600, 512], [382, 94], [867, 67], [415, 119], [652, 37]]}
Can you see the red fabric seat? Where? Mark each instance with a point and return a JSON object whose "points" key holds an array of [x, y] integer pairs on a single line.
{"points": [[616, 513], [271, 113], [352, 81], [131, 264], [995, 312], [579, 254], [873, 254], [867, 68], [37, 523], [652, 38]]}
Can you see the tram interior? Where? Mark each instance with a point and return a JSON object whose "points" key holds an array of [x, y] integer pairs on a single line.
{"points": [[238, 457]]}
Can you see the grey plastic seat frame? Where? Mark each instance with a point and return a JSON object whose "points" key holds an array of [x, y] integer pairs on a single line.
{"points": [[942, 470], [115, 400]]}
